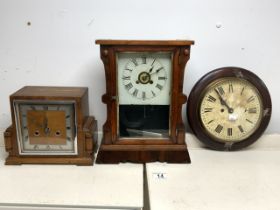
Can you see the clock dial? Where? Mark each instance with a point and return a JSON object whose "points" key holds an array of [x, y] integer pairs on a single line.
{"points": [[144, 78], [46, 128], [231, 109]]}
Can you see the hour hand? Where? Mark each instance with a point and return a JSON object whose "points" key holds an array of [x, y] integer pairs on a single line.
{"points": [[151, 69], [46, 127], [223, 102]]}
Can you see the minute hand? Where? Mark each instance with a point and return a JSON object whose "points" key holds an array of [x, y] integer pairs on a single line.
{"points": [[156, 71], [223, 102]]}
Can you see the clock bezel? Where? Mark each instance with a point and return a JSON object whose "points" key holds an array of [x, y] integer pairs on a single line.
{"points": [[196, 96], [21, 151], [173, 101]]}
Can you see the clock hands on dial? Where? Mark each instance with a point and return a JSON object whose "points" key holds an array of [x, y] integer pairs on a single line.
{"points": [[151, 69], [156, 71], [147, 75], [223, 102], [46, 127]]}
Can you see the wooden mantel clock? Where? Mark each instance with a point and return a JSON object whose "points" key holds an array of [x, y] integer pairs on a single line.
{"points": [[144, 82], [50, 125]]}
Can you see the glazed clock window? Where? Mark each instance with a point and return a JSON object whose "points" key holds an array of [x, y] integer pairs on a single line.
{"points": [[144, 84]]}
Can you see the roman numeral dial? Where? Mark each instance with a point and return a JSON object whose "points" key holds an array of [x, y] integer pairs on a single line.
{"points": [[231, 109], [144, 77]]}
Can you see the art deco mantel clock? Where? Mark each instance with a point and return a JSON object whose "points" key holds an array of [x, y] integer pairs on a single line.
{"points": [[144, 81], [50, 125]]}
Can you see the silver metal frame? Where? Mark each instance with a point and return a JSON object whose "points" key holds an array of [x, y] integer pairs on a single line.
{"points": [[19, 132]]}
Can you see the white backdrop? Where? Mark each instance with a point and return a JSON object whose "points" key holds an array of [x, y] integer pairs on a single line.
{"points": [[51, 42]]}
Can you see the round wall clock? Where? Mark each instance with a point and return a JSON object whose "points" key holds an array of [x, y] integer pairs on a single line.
{"points": [[229, 108]]}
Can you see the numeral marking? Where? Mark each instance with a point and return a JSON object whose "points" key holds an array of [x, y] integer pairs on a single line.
{"points": [[33, 107], [68, 127], [242, 90], [153, 62], [162, 78], [144, 60], [126, 77], [219, 128], [135, 92], [208, 110], [48, 147], [211, 99], [36, 147], [128, 86], [229, 131], [252, 98], [45, 107], [153, 93], [133, 60], [143, 95], [128, 69], [26, 138], [230, 88], [249, 121], [210, 121], [252, 110], [221, 90], [67, 116], [68, 138], [159, 86], [57, 108], [240, 128]]}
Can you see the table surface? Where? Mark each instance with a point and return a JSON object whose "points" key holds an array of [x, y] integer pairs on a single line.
{"points": [[246, 180], [243, 180], [100, 186]]}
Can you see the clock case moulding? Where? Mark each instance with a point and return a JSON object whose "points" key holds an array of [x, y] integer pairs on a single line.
{"points": [[86, 126], [113, 149]]}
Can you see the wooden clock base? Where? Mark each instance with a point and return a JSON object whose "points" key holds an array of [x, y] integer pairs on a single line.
{"points": [[143, 154], [81, 161]]}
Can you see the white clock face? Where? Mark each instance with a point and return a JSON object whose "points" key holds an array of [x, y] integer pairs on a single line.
{"points": [[231, 109], [46, 128], [144, 78]]}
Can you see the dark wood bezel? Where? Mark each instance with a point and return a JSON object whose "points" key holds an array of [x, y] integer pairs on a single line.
{"points": [[125, 149], [196, 96], [86, 126]]}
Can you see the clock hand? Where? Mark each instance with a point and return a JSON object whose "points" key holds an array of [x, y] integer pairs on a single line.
{"points": [[223, 102], [151, 69], [156, 71], [46, 127]]}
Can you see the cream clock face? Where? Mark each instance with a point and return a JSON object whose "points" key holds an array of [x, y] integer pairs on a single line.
{"points": [[231, 109], [46, 128], [144, 78]]}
